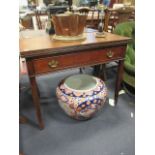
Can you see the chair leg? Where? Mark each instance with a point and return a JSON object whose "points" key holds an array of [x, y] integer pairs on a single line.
{"points": [[100, 71], [103, 74], [81, 71], [22, 120], [96, 70]]}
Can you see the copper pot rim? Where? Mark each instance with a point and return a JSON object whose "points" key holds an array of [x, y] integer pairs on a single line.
{"points": [[69, 15]]}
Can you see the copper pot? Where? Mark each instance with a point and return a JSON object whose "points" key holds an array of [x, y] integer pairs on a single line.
{"points": [[69, 24]]}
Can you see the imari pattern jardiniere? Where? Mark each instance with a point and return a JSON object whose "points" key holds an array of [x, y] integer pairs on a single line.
{"points": [[81, 96]]}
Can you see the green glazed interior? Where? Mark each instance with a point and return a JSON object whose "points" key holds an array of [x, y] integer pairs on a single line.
{"points": [[81, 82]]}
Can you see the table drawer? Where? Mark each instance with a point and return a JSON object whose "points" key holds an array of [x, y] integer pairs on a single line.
{"points": [[78, 59]]}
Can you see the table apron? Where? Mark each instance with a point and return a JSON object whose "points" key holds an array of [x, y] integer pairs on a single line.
{"points": [[77, 59]]}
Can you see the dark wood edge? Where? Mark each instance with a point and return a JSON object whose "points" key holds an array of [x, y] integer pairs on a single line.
{"points": [[72, 49]]}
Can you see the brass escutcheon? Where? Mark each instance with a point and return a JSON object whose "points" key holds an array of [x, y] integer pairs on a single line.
{"points": [[53, 64], [110, 54]]}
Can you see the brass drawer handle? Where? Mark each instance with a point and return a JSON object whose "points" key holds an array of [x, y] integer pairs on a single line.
{"points": [[110, 54], [53, 64]]}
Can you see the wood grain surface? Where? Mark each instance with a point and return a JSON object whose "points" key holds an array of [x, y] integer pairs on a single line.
{"points": [[36, 43]]}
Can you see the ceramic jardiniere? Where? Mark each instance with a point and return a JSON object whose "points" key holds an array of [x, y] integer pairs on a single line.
{"points": [[81, 96]]}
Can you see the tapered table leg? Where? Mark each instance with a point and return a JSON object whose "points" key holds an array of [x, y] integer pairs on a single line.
{"points": [[36, 101], [119, 79]]}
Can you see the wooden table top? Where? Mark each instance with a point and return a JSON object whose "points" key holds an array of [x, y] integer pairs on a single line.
{"points": [[36, 43]]}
